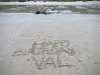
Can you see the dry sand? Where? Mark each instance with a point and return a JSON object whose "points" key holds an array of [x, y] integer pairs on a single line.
{"points": [[55, 44], [73, 38]]}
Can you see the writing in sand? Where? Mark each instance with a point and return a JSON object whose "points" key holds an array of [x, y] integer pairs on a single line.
{"points": [[48, 53]]}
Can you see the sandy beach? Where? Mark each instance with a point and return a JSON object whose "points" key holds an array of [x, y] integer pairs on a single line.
{"points": [[50, 3], [52, 44]]}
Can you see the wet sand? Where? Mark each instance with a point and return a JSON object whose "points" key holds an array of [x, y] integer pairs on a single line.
{"points": [[55, 44], [50, 9]]}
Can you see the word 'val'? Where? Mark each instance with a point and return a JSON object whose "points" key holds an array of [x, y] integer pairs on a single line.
{"points": [[48, 52]]}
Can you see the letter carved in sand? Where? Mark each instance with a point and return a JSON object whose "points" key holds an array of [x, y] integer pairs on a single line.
{"points": [[49, 52]]}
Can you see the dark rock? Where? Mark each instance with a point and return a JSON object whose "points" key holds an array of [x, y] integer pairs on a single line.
{"points": [[38, 12]]}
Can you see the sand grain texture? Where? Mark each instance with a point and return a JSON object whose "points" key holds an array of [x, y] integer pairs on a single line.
{"points": [[55, 44]]}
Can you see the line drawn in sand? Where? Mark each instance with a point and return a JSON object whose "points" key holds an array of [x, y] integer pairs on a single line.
{"points": [[48, 50]]}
